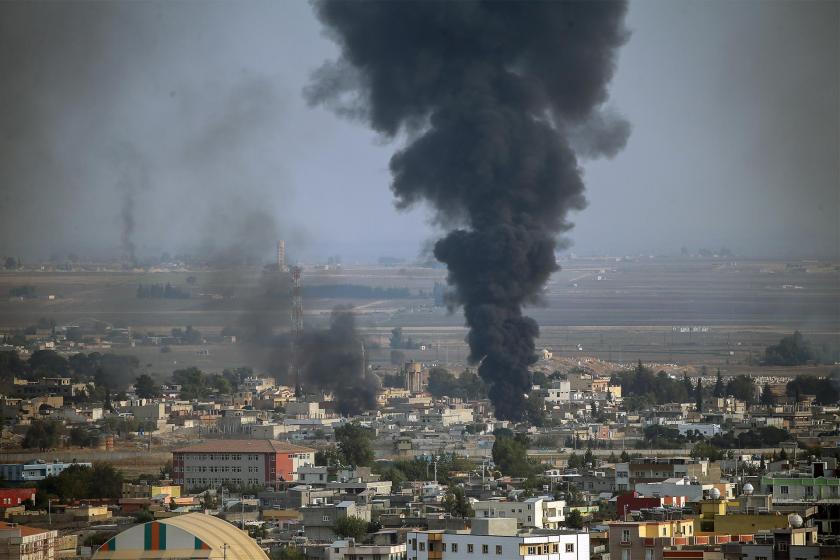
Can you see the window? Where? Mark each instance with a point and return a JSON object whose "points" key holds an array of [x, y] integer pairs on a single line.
{"points": [[325, 518], [625, 555], [555, 548], [625, 535], [570, 547], [498, 549], [783, 489], [454, 547], [648, 554], [532, 550], [485, 548], [469, 548], [443, 547], [422, 545], [664, 531], [529, 518]]}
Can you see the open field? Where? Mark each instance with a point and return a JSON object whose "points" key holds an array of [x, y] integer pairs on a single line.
{"points": [[686, 311]]}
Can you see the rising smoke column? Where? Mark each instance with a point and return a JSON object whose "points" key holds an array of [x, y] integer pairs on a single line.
{"points": [[133, 177], [334, 360], [492, 96]]}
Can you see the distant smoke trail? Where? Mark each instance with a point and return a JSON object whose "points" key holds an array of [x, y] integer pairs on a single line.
{"points": [[496, 98], [133, 177]]}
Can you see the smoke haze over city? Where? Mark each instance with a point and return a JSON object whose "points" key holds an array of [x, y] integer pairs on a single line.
{"points": [[181, 127]]}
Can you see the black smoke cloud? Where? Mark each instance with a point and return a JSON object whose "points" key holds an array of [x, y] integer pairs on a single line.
{"points": [[334, 360], [495, 97], [331, 360]]}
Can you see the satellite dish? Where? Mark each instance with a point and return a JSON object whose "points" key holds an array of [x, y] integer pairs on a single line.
{"points": [[714, 494], [795, 520], [748, 489]]}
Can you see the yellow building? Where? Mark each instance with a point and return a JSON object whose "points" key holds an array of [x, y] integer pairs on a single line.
{"points": [[744, 516]]}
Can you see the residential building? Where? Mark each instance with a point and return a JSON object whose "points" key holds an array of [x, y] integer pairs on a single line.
{"points": [[10, 497], [497, 539], [796, 486], [34, 471], [20, 542], [348, 549], [658, 469], [319, 520], [538, 513], [247, 462], [646, 540], [558, 392]]}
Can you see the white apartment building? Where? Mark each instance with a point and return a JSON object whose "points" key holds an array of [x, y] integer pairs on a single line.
{"points": [[537, 513], [559, 392], [493, 539]]}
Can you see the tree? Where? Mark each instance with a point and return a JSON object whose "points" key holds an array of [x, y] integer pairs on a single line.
{"points": [[48, 363], [689, 388], [791, 350], [767, 396], [455, 503], [396, 340], [719, 390], [43, 435], [510, 453], [574, 520], [328, 457], [350, 527], [146, 388], [397, 357], [288, 553], [354, 444], [10, 263], [742, 388], [698, 395]]}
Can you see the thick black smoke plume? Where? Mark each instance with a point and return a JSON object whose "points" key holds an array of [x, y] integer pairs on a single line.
{"points": [[496, 96], [334, 360]]}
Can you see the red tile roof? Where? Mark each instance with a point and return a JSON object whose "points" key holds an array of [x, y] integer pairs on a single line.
{"points": [[25, 531], [244, 446]]}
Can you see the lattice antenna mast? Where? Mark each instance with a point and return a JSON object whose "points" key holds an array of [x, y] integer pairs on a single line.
{"points": [[296, 323]]}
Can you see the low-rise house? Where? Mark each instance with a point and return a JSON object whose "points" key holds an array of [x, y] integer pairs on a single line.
{"points": [[319, 520]]}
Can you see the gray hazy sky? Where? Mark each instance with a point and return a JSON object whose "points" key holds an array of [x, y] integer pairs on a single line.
{"points": [[190, 116]]}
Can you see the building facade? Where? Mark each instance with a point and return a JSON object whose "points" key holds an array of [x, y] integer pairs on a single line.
{"points": [[485, 542], [537, 513], [238, 462]]}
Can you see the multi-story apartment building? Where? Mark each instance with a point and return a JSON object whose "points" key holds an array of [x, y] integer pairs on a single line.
{"points": [[657, 469], [538, 513], [240, 462], [496, 539], [29, 543], [819, 484]]}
